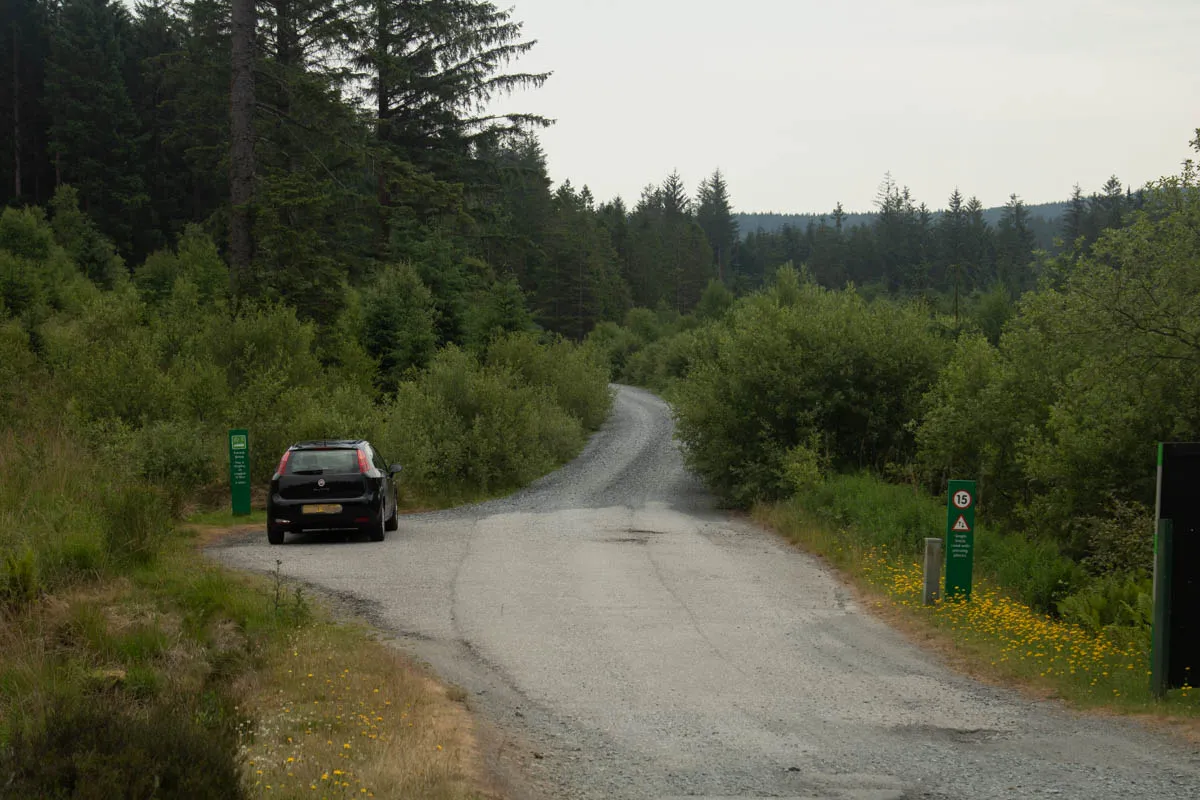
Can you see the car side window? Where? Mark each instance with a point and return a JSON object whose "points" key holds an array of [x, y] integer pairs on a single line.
{"points": [[376, 460]]}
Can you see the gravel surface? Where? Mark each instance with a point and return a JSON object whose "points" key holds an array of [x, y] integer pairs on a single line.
{"points": [[629, 640]]}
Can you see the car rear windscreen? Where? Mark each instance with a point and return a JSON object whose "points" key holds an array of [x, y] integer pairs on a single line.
{"points": [[335, 462]]}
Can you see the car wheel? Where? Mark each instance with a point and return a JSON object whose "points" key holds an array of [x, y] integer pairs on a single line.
{"points": [[392, 523], [275, 534], [377, 531]]}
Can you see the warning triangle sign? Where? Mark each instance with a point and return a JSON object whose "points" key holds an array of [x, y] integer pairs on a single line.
{"points": [[961, 524]]}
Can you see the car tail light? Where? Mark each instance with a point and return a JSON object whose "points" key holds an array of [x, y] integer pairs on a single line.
{"points": [[283, 461], [363, 466], [362, 519]]}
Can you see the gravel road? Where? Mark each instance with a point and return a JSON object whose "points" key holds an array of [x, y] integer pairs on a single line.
{"points": [[629, 640]]}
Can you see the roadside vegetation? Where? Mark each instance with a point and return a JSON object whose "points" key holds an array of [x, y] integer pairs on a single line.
{"points": [[838, 415], [129, 667]]}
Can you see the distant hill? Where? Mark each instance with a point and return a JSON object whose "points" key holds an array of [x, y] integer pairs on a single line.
{"points": [[770, 222]]}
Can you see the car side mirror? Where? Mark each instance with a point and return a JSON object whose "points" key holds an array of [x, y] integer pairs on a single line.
{"points": [[394, 468]]}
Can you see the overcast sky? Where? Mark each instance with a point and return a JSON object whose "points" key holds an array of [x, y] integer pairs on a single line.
{"points": [[804, 103]]}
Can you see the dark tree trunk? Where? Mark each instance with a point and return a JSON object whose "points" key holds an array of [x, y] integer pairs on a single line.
{"points": [[16, 113], [383, 111], [241, 171]]}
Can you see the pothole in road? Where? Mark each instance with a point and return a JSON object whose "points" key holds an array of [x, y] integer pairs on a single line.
{"points": [[956, 735], [631, 536]]}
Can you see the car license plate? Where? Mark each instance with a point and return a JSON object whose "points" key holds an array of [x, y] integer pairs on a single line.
{"points": [[324, 508]]}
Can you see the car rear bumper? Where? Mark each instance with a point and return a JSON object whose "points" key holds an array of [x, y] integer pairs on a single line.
{"points": [[290, 515]]}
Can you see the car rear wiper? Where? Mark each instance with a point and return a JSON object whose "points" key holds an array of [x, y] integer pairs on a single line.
{"points": [[308, 472]]}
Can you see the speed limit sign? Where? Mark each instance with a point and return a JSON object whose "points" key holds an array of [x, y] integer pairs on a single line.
{"points": [[960, 538]]}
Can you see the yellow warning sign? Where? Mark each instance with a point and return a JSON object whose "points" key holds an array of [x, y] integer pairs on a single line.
{"points": [[961, 524]]}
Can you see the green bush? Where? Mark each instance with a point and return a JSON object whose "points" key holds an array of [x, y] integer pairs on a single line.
{"points": [[35, 273], [577, 381], [175, 456], [1121, 543], [265, 340], [24, 233], [103, 748], [278, 415], [1114, 601], [464, 429], [93, 254], [1034, 570], [20, 581], [716, 300], [661, 363], [801, 362], [614, 344], [499, 310], [20, 286], [109, 359], [136, 521], [195, 260], [803, 468], [148, 376], [17, 363], [398, 323]]}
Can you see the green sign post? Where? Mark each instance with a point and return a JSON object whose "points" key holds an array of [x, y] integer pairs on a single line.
{"points": [[960, 538], [239, 471]]}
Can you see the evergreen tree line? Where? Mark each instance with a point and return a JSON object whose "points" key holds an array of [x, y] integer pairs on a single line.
{"points": [[370, 148], [905, 248]]}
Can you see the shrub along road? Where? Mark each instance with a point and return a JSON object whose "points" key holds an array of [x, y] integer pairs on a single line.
{"points": [[645, 644]]}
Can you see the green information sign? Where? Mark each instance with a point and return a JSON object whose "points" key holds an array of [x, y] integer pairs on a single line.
{"points": [[239, 471], [960, 538]]}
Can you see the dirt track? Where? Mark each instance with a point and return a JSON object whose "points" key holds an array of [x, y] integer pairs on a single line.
{"points": [[646, 645]]}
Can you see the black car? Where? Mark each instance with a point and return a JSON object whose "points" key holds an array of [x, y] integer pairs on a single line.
{"points": [[332, 485]]}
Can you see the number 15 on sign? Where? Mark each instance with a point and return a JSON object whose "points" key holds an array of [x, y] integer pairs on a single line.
{"points": [[960, 538]]}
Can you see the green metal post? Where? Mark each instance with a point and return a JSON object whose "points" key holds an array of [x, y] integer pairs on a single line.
{"points": [[960, 538], [239, 471]]}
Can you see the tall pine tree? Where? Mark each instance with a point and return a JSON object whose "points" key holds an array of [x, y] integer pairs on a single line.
{"points": [[1014, 248], [715, 217], [94, 131]]}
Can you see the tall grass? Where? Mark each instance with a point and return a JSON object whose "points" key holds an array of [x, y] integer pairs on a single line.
{"points": [[870, 512], [51, 505]]}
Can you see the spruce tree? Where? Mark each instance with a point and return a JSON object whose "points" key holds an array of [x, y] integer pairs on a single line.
{"points": [[952, 245], [1014, 248], [513, 226], [94, 131], [979, 261], [195, 105], [673, 197], [1075, 220], [715, 217], [241, 155], [580, 283], [23, 49], [1108, 207], [432, 65]]}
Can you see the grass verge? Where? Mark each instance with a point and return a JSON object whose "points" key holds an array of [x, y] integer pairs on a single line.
{"points": [[993, 635], [177, 678], [338, 715]]}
